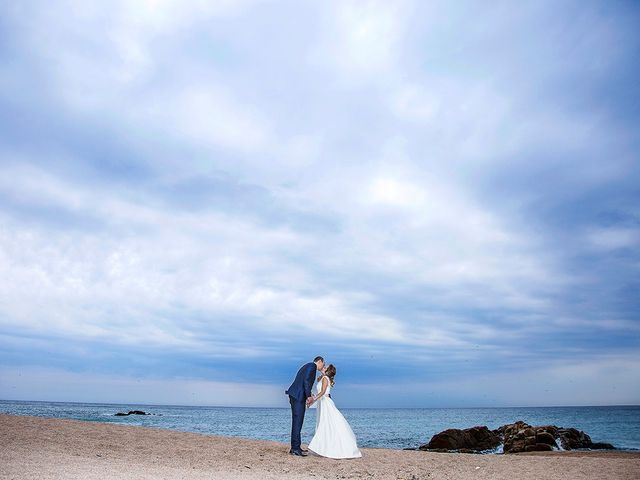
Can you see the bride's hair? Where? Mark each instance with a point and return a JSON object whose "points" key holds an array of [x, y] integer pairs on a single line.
{"points": [[331, 373]]}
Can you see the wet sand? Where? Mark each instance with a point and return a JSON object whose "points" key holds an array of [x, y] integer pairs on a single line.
{"points": [[44, 448]]}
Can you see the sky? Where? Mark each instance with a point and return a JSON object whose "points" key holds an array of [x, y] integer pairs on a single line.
{"points": [[442, 198]]}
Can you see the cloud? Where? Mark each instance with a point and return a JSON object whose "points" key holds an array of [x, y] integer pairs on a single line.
{"points": [[600, 382], [433, 188], [206, 115], [614, 238], [363, 38], [58, 385], [146, 266]]}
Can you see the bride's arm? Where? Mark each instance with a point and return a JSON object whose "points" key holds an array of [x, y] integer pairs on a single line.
{"points": [[325, 384]]}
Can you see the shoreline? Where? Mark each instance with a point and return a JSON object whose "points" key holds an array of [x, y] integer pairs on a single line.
{"points": [[48, 448], [623, 450]]}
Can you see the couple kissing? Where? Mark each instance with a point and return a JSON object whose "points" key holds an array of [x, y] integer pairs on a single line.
{"points": [[333, 437]]}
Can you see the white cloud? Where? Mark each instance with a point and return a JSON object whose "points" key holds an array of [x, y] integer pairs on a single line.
{"points": [[222, 266], [605, 381], [389, 191], [591, 382], [104, 60], [388, 158], [614, 238], [84, 284], [362, 39], [49, 384], [415, 102], [300, 151], [206, 115]]}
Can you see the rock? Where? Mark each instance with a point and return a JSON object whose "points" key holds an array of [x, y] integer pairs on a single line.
{"points": [[131, 412], [551, 429], [570, 438], [522, 437], [538, 447], [602, 446], [470, 440], [546, 438], [516, 437]]}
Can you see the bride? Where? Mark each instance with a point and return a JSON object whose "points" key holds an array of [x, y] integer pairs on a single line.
{"points": [[334, 437]]}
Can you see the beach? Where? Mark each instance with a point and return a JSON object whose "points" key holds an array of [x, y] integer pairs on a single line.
{"points": [[45, 448]]}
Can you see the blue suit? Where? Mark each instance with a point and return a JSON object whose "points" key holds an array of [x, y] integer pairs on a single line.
{"points": [[298, 393]]}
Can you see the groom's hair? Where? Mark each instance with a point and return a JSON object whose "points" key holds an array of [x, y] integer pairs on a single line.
{"points": [[318, 359]]}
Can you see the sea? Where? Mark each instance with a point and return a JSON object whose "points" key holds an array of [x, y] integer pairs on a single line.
{"points": [[394, 428]]}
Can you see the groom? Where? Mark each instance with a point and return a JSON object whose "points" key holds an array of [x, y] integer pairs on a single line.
{"points": [[300, 397]]}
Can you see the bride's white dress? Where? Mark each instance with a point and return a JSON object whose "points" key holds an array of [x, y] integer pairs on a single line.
{"points": [[334, 437]]}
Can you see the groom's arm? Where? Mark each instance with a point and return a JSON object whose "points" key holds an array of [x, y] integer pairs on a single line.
{"points": [[308, 380]]}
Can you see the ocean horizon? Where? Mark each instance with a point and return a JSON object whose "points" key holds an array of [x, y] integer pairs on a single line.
{"points": [[390, 427]]}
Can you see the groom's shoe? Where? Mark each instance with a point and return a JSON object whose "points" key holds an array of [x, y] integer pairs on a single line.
{"points": [[298, 453]]}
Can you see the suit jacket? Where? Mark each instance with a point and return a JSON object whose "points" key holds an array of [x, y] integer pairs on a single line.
{"points": [[300, 389]]}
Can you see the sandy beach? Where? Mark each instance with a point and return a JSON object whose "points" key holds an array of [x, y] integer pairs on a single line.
{"points": [[44, 448]]}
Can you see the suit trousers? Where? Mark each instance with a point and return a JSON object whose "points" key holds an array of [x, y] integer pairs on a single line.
{"points": [[298, 408]]}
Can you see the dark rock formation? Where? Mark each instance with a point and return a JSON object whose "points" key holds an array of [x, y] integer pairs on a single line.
{"points": [[522, 437], [470, 440], [571, 438], [517, 437], [131, 412], [601, 446]]}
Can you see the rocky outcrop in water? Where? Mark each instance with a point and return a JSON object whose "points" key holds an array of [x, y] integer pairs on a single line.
{"points": [[131, 412], [571, 438], [522, 437], [515, 437], [469, 440]]}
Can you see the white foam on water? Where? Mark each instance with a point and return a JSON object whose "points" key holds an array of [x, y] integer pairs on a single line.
{"points": [[493, 451]]}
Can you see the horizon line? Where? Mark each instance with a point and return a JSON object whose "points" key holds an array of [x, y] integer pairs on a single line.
{"points": [[342, 408]]}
